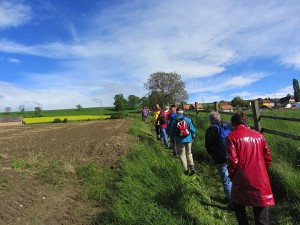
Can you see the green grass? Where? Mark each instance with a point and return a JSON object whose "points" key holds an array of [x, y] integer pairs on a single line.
{"points": [[284, 170], [65, 112], [150, 188], [94, 180], [4, 183], [293, 113], [18, 164], [96, 111], [53, 173]]}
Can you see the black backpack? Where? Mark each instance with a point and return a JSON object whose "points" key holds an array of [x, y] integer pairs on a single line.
{"points": [[223, 131], [162, 119]]}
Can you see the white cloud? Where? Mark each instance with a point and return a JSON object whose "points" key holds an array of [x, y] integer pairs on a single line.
{"points": [[15, 61], [66, 93], [223, 83], [200, 40], [292, 60], [282, 92], [13, 13]]}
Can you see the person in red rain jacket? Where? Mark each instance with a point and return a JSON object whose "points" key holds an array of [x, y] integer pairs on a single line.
{"points": [[248, 160]]}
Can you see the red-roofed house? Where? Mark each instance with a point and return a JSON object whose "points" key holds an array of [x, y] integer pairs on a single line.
{"points": [[193, 107], [225, 107]]}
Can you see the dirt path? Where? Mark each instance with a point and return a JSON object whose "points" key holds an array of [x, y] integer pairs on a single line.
{"points": [[24, 199]]}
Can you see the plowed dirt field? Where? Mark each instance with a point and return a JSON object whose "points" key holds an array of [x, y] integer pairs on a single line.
{"points": [[24, 199]]}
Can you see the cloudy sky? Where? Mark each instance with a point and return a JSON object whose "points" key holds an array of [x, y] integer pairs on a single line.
{"points": [[60, 53]]}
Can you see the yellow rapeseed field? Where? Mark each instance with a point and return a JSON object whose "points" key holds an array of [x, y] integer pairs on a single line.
{"points": [[50, 119]]}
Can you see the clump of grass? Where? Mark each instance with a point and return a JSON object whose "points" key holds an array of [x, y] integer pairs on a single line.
{"points": [[94, 180], [52, 173], [29, 164], [18, 164], [4, 183]]}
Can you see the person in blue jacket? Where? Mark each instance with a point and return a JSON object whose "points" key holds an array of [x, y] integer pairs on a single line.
{"points": [[183, 143]]}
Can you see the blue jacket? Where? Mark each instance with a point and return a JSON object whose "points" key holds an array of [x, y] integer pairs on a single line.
{"points": [[179, 139]]}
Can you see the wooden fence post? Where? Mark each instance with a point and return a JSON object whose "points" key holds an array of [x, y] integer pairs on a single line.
{"points": [[256, 115], [196, 106], [216, 105]]}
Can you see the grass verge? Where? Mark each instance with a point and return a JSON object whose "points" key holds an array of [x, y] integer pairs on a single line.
{"points": [[150, 188]]}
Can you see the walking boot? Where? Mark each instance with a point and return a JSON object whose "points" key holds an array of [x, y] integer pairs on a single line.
{"points": [[192, 169]]}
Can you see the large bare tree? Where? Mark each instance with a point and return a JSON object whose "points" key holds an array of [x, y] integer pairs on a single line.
{"points": [[166, 88]]}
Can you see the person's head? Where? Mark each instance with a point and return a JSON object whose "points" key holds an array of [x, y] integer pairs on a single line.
{"points": [[167, 108], [179, 110], [173, 109], [239, 118], [156, 106], [215, 117]]}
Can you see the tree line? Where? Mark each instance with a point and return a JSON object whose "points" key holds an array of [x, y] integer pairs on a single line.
{"points": [[168, 88]]}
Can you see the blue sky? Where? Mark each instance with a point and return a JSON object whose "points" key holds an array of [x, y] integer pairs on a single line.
{"points": [[60, 53]]}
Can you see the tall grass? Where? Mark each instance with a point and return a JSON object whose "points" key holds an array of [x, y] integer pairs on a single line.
{"points": [[151, 188], [284, 170]]}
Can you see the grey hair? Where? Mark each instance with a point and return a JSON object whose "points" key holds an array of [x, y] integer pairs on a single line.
{"points": [[215, 117]]}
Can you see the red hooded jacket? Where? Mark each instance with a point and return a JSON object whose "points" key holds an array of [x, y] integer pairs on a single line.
{"points": [[248, 160]]}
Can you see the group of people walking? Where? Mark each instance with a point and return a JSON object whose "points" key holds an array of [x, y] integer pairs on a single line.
{"points": [[174, 124], [240, 155]]}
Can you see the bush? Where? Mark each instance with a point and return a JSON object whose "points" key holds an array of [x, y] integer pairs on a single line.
{"points": [[117, 116], [65, 120], [57, 120]]}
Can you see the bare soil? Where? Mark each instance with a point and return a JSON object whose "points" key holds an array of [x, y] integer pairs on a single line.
{"points": [[27, 200]]}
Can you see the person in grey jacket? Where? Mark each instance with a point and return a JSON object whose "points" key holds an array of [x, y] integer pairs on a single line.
{"points": [[183, 144]]}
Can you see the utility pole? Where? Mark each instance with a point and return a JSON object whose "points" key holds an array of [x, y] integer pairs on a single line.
{"points": [[100, 107], [99, 100]]}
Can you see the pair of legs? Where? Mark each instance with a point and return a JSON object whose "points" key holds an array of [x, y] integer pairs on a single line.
{"points": [[185, 152], [261, 216], [224, 175], [164, 136], [144, 118], [157, 130]]}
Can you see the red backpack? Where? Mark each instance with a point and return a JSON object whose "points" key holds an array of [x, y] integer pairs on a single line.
{"points": [[182, 128]]}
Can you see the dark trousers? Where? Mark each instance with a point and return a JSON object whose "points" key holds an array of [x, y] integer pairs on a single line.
{"points": [[261, 216], [157, 130]]}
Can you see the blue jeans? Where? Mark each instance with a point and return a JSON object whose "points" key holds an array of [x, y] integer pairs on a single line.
{"points": [[163, 133], [224, 175]]}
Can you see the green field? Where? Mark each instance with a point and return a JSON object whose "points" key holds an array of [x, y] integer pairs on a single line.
{"points": [[69, 115], [96, 111]]}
